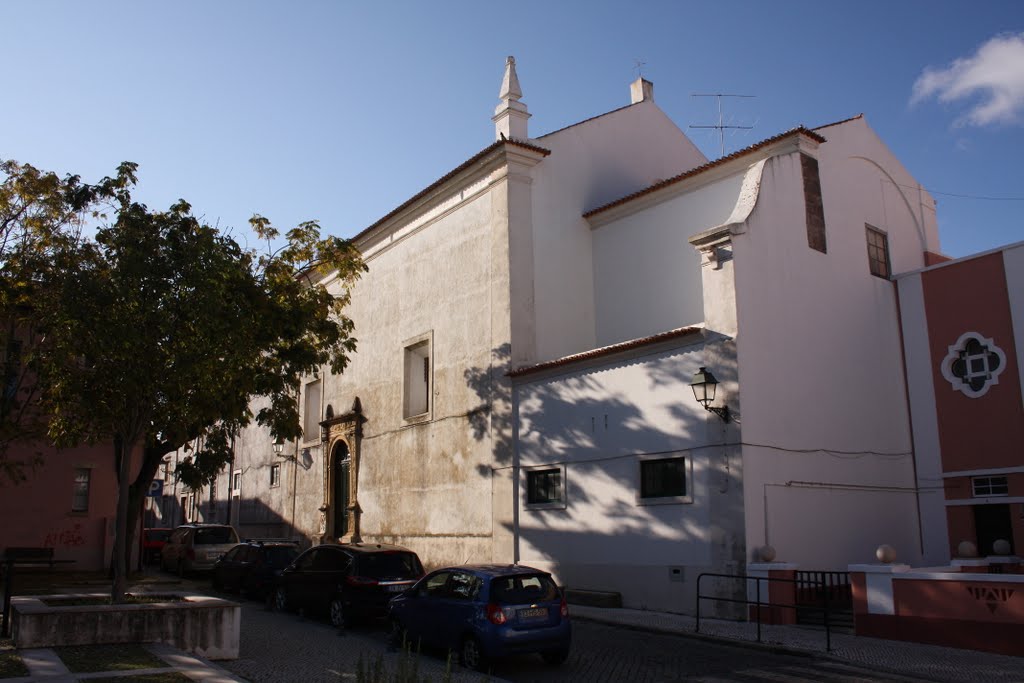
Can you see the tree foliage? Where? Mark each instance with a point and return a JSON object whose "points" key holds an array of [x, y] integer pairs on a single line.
{"points": [[161, 331]]}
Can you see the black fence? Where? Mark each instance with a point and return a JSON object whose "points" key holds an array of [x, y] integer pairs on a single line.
{"points": [[825, 606]]}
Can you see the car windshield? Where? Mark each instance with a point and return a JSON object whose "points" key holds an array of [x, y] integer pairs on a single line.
{"points": [[395, 565], [523, 588], [214, 535], [280, 556]]}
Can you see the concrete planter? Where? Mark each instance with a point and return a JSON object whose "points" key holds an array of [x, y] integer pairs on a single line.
{"points": [[201, 625]]}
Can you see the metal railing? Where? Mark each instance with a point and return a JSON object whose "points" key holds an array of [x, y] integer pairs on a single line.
{"points": [[761, 604]]}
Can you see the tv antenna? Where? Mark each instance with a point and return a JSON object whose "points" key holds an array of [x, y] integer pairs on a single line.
{"points": [[720, 127], [639, 65]]}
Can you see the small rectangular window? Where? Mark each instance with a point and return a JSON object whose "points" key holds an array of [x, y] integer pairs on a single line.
{"points": [[878, 252], [275, 475], [311, 419], [544, 486], [663, 478], [80, 491], [990, 486], [417, 378], [236, 481]]}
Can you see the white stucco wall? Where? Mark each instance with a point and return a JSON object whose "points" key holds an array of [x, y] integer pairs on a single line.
{"points": [[599, 421], [1013, 262], [827, 462], [647, 276], [591, 163]]}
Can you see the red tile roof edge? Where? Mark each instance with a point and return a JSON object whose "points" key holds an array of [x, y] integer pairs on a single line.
{"points": [[448, 176], [605, 351], [799, 130], [836, 123]]}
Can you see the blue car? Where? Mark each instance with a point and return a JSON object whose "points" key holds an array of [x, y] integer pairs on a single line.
{"points": [[485, 612]]}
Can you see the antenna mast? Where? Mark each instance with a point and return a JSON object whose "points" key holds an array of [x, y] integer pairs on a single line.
{"points": [[721, 125]]}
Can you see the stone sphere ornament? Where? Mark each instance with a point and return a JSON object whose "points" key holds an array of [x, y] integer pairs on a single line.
{"points": [[886, 553], [1001, 547], [966, 549], [767, 553]]}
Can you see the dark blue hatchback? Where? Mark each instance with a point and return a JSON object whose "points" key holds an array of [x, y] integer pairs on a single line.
{"points": [[485, 611]]}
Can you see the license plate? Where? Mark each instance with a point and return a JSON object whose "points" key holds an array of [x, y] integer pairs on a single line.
{"points": [[533, 613], [397, 589]]}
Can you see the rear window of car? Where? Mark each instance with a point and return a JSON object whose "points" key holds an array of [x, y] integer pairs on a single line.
{"points": [[280, 556], [523, 588], [215, 535], [397, 565]]}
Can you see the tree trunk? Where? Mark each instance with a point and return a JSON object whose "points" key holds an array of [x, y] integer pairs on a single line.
{"points": [[123, 456], [151, 459]]}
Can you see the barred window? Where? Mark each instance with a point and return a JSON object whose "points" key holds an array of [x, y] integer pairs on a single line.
{"points": [[878, 252], [80, 490]]}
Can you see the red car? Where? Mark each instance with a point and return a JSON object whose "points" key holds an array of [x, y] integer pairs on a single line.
{"points": [[153, 541]]}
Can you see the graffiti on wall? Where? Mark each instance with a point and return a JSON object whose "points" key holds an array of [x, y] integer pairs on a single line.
{"points": [[66, 538]]}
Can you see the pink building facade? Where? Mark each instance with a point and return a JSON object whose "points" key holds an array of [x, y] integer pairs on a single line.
{"points": [[963, 334]]}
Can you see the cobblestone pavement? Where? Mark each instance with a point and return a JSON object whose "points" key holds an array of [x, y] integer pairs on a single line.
{"points": [[287, 647]]}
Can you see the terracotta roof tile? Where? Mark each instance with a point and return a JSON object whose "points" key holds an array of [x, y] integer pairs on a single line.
{"points": [[799, 130], [836, 123], [605, 351], [451, 174]]}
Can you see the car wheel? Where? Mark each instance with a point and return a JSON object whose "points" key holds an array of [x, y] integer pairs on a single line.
{"points": [[338, 617], [181, 569], [471, 654], [281, 600], [555, 657]]}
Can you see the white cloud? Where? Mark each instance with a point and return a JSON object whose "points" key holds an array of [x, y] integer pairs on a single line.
{"points": [[992, 78]]}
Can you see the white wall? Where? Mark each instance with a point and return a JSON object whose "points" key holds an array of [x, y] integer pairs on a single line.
{"points": [[591, 163], [599, 421], [820, 366], [647, 276]]}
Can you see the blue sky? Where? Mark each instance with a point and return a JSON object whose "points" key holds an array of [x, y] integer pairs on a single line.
{"points": [[339, 111]]}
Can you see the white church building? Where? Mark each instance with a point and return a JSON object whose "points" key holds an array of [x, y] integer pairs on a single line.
{"points": [[529, 330]]}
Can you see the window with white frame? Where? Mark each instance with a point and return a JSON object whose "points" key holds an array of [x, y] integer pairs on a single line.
{"points": [[545, 487], [311, 412], [990, 486], [665, 480], [417, 373], [275, 475], [80, 490]]}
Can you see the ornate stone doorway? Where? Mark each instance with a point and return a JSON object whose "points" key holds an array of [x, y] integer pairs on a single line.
{"points": [[339, 521]]}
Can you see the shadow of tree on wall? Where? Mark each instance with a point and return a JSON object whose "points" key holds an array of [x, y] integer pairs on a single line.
{"points": [[568, 416]]}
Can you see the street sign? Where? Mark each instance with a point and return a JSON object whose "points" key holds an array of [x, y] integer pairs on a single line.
{"points": [[156, 488]]}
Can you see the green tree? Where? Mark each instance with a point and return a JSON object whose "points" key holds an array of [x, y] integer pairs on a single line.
{"points": [[41, 216], [164, 331]]}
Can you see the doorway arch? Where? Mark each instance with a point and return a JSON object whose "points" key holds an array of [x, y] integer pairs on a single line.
{"points": [[341, 463]]}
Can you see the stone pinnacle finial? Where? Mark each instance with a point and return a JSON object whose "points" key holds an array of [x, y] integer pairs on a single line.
{"points": [[511, 115], [510, 89]]}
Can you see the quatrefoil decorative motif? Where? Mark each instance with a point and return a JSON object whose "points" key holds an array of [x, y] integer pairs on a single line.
{"points": [[973, 364]]}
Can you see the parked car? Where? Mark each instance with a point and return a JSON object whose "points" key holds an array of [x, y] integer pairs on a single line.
{"points": [[153, 541], [484, 612], [253, 566], [196, 547], [348, 582]]}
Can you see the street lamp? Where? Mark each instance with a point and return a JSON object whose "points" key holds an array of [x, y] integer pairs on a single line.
{"points": [[279, 446], [703, 386]]}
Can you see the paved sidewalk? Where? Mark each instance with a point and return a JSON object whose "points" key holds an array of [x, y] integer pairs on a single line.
{"points": [[44, 665], [930, 662]]}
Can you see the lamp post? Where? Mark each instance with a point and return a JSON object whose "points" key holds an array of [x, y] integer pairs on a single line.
{"points": [[703, 385], [279, 447]]}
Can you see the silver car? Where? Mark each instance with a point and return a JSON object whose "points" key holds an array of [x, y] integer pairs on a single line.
{"points": [[197, 547]]}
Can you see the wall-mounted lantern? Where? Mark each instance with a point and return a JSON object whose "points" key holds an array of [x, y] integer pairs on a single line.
{"points": [[279, 447], [703, 385]]}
